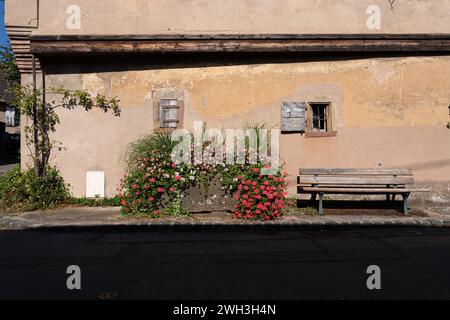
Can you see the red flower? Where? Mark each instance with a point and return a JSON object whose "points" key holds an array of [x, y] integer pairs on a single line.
{"points": [[123, 202], [256, 170]]}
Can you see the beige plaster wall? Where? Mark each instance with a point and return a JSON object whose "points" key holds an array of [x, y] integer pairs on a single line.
{"points": [[231, 16], [388, 112]]}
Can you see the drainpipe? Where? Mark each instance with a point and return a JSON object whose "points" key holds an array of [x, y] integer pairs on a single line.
{"points": [[35, 131], [44, 134]]}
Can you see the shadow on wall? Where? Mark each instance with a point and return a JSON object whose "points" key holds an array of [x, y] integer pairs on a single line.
{"points": [[428, 164], [97, 63]]}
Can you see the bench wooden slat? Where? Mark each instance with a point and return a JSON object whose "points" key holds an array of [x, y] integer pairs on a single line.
{"points": [[368, 180], [359, 190], [352, 171]]}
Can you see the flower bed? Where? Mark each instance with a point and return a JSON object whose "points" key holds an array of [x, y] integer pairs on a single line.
{"points": [[155, 186]]}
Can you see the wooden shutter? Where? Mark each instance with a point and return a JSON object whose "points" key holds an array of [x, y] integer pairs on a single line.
{"points": [[293, 116], [168, 113]]}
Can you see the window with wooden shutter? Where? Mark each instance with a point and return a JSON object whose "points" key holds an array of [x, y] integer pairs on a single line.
{"points": [[169, 113], [293, 118]]}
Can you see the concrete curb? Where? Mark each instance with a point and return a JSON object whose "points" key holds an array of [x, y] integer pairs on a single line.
{"points": [[109, 218]]}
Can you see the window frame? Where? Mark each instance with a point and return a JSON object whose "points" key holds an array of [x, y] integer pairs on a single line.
{"points": [[330, 132], [310, 117]]}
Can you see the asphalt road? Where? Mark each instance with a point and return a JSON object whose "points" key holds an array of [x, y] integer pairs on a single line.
{"points": [[251, 263]]}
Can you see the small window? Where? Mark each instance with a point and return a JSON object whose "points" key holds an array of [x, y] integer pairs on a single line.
{"points": [[11, 117], [319, 117], [168, 113]]}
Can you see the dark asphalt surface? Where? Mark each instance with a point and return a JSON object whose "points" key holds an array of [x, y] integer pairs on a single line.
{"points": [[213, 263]]}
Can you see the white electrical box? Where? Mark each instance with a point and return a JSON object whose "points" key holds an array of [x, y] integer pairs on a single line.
{"points": [[95, 184]]}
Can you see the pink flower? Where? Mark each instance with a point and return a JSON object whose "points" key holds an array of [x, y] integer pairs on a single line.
{"points": [[134, 186], [171, 189], [174, 165], [151, 199], [160, 190], [177, 178], [152, 180], [256, 170]]}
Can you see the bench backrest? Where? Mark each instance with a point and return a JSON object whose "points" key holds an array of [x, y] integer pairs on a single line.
{"points": [[353, 176]]}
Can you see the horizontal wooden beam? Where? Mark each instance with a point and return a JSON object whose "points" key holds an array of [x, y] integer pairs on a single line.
{"points": [[104, 44]]}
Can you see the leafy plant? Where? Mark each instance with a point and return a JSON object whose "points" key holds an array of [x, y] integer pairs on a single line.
{"points": [[23, 190], [44, 118], [154, 185], [144, 148], [258, 197], [89, 202], [8, 65]]}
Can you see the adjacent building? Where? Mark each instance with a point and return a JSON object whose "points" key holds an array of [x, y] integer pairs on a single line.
{"points": [[372, 78], [9, 123]]}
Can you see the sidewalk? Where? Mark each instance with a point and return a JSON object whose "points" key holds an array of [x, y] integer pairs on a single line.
{"points": [[90, 217]]}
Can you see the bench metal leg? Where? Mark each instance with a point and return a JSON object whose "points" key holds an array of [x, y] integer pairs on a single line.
{"points": [[405, 203], [320, 202]]}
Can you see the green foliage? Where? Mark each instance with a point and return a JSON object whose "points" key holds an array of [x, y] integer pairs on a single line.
{"points": [[257, 196], [174, 207], [44, 117], [9, 66], [145, 148], [95, 202], [23, 190], [154, 185]]}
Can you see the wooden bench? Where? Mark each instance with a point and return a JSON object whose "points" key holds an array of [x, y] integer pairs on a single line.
{"points": [[357, 181]]}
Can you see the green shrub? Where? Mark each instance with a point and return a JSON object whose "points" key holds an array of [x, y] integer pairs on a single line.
{"points": [[145, 148], [23, 190], [91, 202]]}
